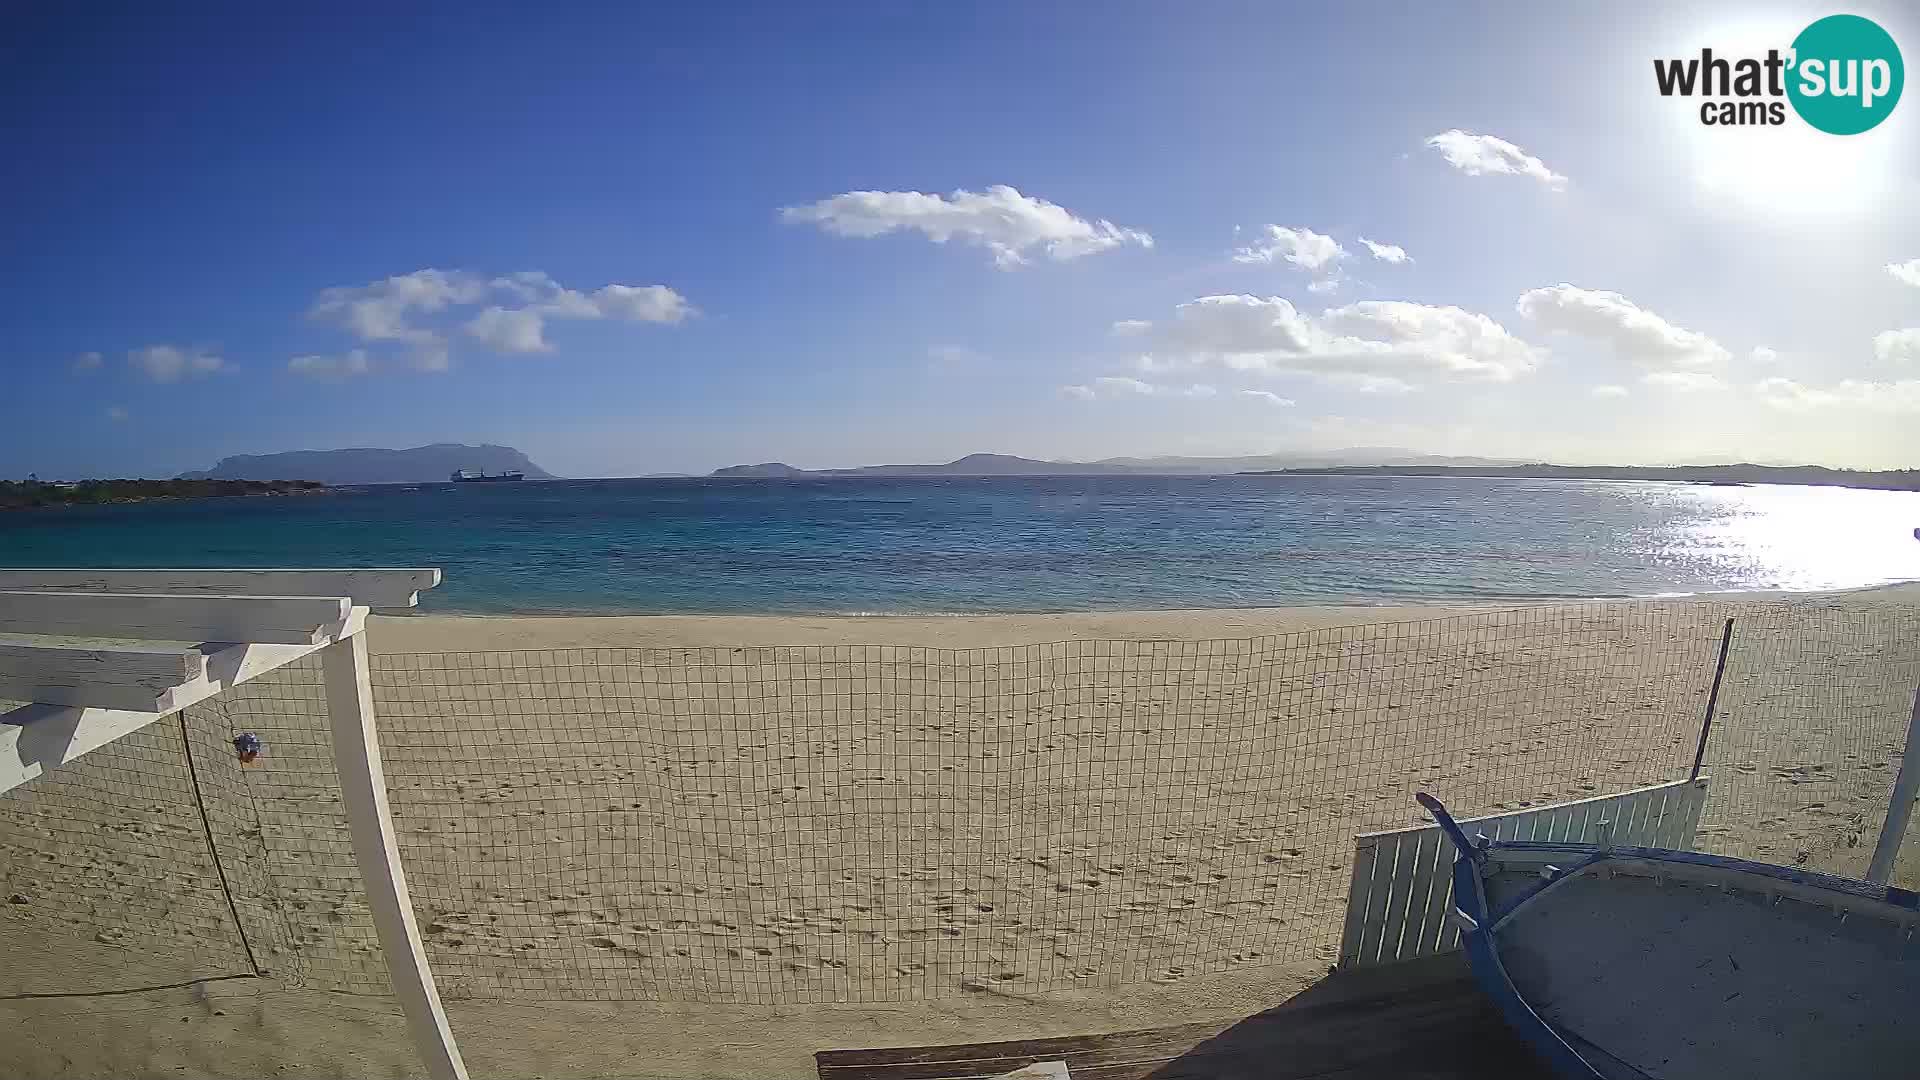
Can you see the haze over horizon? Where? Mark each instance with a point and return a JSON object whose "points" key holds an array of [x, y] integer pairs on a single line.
{"points": [[672, 241]]}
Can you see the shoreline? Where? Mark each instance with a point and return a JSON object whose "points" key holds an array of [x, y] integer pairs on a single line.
{"points": [[392, 634]]}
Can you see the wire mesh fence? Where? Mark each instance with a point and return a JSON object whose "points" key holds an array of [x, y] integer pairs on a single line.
{"points": [[888, 823], [1809, 730]]}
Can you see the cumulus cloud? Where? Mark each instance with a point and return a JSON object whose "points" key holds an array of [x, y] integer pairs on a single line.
{"points": [[1682, 381], [1787, 395], [1375, 345], [1634, 332], [1482, 155], [1303, 248], [116, 413], [381, 310], [517, 330], [344, 366], [642, 303], [1387, 253], [1609, 391], [1267, 396], [1000, 219], [1131, 327], [86, 362], [1897, 346], [1761, 354], [513, 320], [171, 363], [1908, 272]]}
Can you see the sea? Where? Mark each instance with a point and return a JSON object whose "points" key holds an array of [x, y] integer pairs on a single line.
{"points": [[959, 545]]}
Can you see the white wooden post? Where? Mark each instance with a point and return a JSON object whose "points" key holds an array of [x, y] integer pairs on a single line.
{"points": [[363, 786], [1906, 786]]}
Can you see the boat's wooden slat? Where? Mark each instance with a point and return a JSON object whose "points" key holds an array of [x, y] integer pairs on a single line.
{"points": [[1420, 890]]}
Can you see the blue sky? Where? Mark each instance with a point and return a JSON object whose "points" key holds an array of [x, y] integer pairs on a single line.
{"points": [[209, 215]]}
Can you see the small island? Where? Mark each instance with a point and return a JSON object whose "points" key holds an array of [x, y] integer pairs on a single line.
{"points": [[29, 494]]}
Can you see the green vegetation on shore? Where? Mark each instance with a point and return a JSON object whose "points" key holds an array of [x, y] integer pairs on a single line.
{"points": [[24, 495], [1814, 475]]}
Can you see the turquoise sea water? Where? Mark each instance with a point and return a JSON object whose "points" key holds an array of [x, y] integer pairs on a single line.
{"points": [[960, 544]]}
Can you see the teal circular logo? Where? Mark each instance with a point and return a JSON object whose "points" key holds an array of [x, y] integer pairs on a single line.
{"points": [[1846, 75]]}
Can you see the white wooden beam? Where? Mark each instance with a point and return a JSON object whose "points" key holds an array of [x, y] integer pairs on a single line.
{"points": [[278, 620], [363, 790], [40, 737], [107, 677], [375, 588]]}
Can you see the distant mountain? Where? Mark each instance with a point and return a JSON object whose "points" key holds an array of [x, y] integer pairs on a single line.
{"points": [[1739, 474], [1008, 465], [420, 465]]}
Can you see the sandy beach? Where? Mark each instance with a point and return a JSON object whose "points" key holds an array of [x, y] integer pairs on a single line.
{"points": [[1143, 833]]}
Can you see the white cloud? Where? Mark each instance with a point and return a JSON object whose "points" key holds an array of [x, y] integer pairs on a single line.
{"points": [[1387, 253], [1897, 346], [1131, 327], [1761, 354], [517, 330], [1303, 248], [116, 413], [1374, 344], [1682, 381], [1267, 396], [386, 310], [87, 361], [1000, 219], [1119, 386], [642, 303], [1479, 155], [1902, 396], [379, 311], [1371, 384], [1610, 391], [1908, 272], [1636, 333], [171, 363], [344, 366]]}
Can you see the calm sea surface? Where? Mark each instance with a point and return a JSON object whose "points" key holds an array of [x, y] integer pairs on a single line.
{"points": [[941, 544]]}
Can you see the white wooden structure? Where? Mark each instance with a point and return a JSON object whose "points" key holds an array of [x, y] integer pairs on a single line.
{"points": [[1402, 887], [181, 636]]}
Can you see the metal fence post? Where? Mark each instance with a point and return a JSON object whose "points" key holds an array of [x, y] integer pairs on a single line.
{"points": [[1900, 806], [1713, 700]]}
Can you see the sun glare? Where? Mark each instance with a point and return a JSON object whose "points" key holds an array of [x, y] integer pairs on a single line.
{"points": [[1787, 170]]}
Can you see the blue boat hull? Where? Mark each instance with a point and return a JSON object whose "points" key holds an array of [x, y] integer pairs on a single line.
{"points": [[1642, 962]]}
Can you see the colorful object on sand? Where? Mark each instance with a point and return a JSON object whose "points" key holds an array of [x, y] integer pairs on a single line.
{"points": [[247, 746]]}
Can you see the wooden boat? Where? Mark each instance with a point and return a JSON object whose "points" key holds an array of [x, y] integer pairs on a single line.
{"points": [[1638, 962]]}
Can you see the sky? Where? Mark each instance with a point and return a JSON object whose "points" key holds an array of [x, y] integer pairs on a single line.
{"points": [[639, 240]]}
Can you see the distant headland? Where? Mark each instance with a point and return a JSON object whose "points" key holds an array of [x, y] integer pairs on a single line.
{"points": [[430, 464]]}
